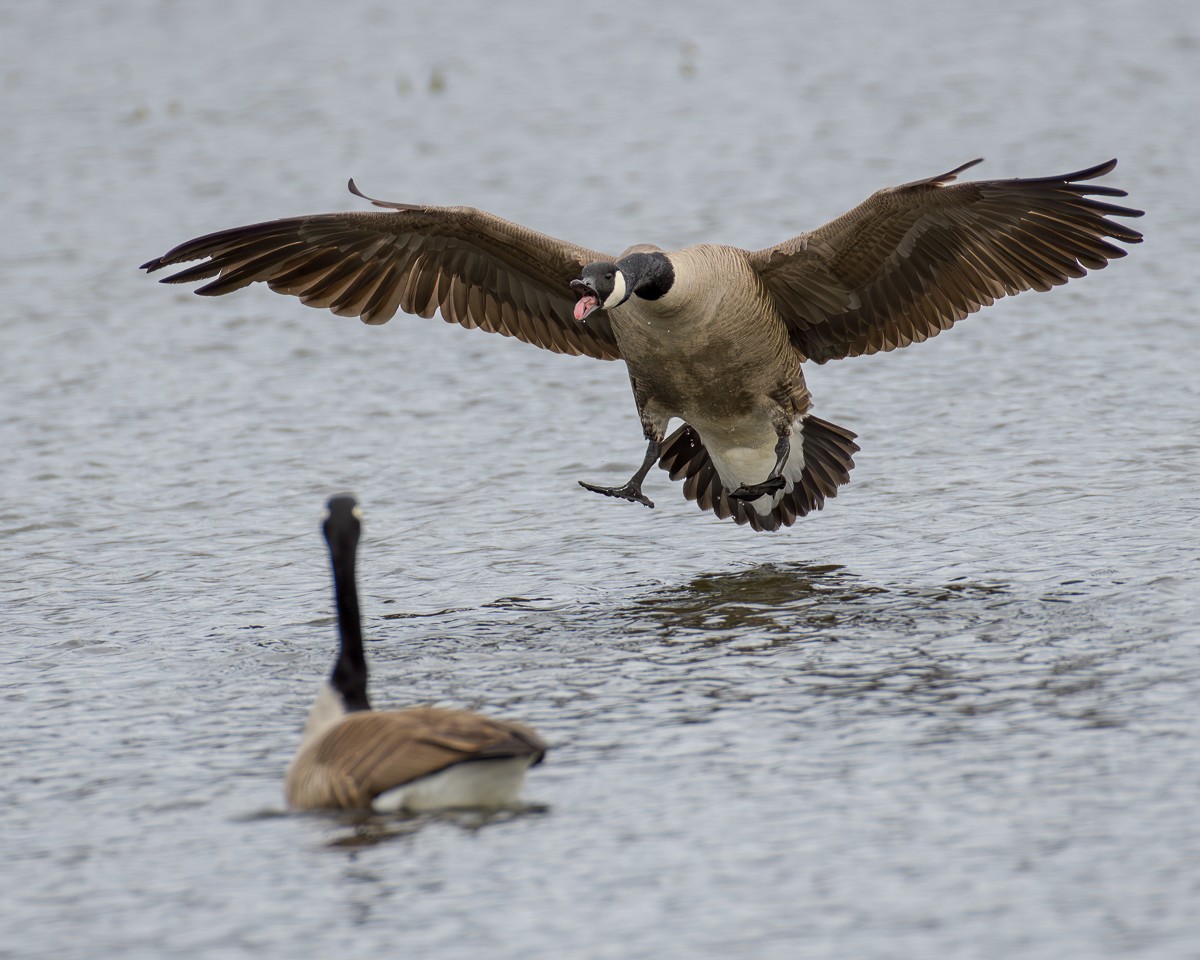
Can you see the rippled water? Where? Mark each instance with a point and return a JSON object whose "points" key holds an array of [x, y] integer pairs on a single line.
{"points": [[953, 715]]}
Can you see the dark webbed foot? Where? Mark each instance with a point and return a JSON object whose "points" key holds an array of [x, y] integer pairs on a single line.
{"points": [[631, 491], [752, 491], [633, 486]]}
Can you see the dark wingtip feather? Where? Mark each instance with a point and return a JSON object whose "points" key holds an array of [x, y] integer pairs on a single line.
{"points": [[1091, 173], [200, 271], [944, 178], [953, 174], [386, 204], [1088, 173]]}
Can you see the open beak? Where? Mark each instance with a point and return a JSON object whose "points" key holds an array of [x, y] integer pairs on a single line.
{"points": [[588, 303]]}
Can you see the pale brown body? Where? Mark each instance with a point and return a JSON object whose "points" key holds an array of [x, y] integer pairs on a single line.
{"points": [[713, 351]]}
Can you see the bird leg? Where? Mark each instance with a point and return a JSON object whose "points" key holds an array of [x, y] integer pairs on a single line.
{"points": [[774, 481], [632, 490]]}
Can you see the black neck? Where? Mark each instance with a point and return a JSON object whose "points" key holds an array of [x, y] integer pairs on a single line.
{"points": [[652, 274], [349, 676]]}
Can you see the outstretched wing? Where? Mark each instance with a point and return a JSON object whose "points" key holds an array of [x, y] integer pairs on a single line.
{"points": [[910, 261], [478, 269]]}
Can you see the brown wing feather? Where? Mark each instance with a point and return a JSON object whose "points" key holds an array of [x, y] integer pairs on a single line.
{"points": [[912, 260], [370, 752], [478, 269]]}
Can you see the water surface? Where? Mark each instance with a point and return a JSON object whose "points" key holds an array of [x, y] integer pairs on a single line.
{"points": [[952, 715]]}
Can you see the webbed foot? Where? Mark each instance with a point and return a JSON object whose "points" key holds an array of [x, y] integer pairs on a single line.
{"points": [[630, 491], [752, 491]]}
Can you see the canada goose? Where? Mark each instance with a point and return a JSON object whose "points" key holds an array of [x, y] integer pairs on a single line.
{"points": [[422, 758], [712, 335]]}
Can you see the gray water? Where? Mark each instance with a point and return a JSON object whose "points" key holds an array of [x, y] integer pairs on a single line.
{"points": [[951, 716]]}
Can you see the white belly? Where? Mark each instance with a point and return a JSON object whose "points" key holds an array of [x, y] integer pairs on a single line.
{"points": [[745, 454], [479, 784]]}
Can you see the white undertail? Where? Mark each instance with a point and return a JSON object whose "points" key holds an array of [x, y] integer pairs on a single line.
{"points": [[741, 465]]}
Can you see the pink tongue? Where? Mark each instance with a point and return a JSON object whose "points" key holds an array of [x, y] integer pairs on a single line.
{"points": [[583, 305]]}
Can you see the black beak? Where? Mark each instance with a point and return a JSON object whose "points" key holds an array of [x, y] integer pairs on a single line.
{"points": [[583, 287]]}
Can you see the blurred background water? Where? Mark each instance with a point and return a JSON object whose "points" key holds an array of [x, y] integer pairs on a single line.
{"points": [[953, 715]]}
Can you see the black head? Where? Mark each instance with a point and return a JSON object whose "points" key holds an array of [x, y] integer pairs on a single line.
{"points": [[605, 285], [648, 273], [343, 524], [598, 285]]}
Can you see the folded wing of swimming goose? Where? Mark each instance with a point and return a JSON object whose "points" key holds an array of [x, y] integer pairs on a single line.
{"points": [[418, 758], [480, 270], [912, 260]]}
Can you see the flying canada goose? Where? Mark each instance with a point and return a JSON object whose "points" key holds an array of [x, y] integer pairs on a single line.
{"points": [[422, 758], [712, 335]]}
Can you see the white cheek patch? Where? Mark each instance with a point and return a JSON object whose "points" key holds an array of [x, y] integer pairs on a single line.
{"points": [[618, 293]]}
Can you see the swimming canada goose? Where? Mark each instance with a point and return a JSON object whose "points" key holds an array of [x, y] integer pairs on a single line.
{"points": [[422, 758], [712, 335]]}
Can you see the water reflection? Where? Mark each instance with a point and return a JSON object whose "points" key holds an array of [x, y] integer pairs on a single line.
{"points": [[805, 601], [799, 638], [360, 828], [367, 830]]}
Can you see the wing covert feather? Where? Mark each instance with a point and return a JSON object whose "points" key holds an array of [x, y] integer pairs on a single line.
{"points": [[478, 269], [910, 261]]}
